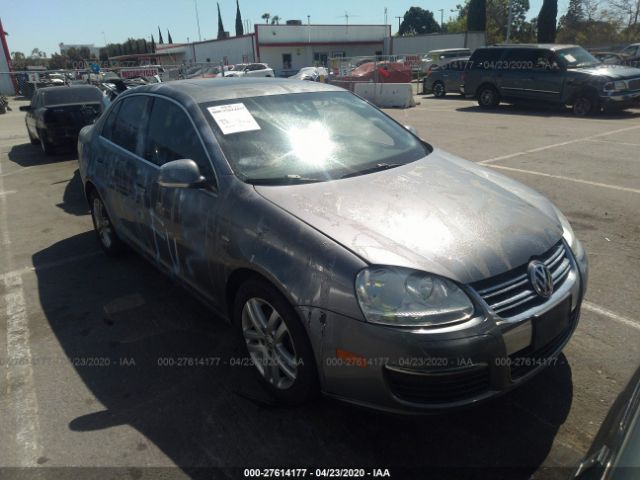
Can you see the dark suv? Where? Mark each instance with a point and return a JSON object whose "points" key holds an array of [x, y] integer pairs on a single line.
{"points": [[556, 74]]}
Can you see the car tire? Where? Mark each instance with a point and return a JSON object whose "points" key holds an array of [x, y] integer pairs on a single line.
{"points": [[438, 90], [47, 147], [584, 104], [273, 338], [488, 97], [107, 237]]}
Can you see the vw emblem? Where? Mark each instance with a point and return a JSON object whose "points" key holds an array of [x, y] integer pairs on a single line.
{"points": [[540, 278]]}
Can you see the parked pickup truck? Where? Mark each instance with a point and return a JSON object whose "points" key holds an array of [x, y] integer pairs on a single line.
{"points": [[57, 114]]}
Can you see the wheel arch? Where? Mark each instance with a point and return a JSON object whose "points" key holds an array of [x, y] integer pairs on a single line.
{"points": [[486, 84], [240, 276]]}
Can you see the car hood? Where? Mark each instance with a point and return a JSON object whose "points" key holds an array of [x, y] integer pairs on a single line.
{"points": [[616, 72], [440, 214]]}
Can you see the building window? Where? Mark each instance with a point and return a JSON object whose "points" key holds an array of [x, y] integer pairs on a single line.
{"points": [[286, 60], [320, 59], [338, 54]]}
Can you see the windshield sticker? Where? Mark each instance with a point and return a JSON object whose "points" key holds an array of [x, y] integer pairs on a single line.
{"points": [[233, 118], [570, 58]]}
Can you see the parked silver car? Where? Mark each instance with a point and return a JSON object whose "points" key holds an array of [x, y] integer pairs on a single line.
{"points": [[446, 78], [352, 257]]}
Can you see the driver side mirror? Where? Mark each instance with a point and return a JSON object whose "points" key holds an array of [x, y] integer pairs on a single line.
{"points": [[25, 108], [181, 174], [246, 70]]}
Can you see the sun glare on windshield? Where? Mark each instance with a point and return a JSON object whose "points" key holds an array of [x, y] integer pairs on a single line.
{"points": [[311, 144]]}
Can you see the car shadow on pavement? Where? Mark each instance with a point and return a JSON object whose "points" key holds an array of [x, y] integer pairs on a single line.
{"points": [[28, 155], [528, 109], [154, 358], [73, 199]]}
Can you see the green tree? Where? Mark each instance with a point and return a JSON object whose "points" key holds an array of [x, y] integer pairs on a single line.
{"points": [[275, 20], [574, 15], [220, 25], [498, 18], [547, 21], [417, 21], [239, 26], [477, 15], [266, 17]]}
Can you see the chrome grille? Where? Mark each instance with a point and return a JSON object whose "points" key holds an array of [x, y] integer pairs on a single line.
{"points": [[511, 293], [634, 84]]}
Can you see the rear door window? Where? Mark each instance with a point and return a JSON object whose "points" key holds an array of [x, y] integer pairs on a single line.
{"points": [[107, 127], [486, 58], [128, 128]]}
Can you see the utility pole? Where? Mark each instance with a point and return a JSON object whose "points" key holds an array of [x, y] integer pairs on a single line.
{"points": [[441, 16], [399, 18], [195, 2], [385, 15], [509, 22]]}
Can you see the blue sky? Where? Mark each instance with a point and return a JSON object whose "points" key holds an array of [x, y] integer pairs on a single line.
{"points": [[46, 23]]}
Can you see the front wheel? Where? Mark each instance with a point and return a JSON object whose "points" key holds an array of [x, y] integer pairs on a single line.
{"points": [[275, 342], [584, 104], [109, 240], [488, 97], [438, 90]]}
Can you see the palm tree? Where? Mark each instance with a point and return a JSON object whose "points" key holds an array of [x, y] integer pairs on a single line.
{"points": [[275, 20], [266, 17]]}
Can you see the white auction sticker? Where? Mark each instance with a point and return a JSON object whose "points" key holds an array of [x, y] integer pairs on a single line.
{"points": [[233, 118]]}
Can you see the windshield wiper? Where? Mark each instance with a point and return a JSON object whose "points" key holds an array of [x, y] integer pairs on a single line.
{"points": [[286, 180], [377, 168]]}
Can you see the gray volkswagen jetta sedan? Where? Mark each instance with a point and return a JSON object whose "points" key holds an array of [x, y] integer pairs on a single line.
{"points": [[353, 258]]}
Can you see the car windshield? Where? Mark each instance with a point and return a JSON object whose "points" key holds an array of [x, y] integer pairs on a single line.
{"points": [[308, 137], [60, 95], [577, 57]]}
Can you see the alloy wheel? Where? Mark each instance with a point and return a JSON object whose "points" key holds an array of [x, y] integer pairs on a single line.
{"points": [[102, 223], [269, 343]]}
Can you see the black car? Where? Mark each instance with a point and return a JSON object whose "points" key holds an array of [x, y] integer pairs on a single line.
{"points": [[57, 114], [554, 74], [615, 452]]}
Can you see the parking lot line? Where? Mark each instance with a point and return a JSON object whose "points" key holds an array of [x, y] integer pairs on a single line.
{"points": [[19, 373], [628, 144], [556, 145], [608, 313], [46, 266], [569, 179]]}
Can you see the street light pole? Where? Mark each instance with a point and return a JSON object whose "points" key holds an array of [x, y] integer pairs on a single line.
{"points": [[509, 22], [195, 2], [441, 16]]}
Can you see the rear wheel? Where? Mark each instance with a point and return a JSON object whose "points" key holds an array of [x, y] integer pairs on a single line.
{"points": [[107, 236], [438, 90], [488, 97], [275, 341]]}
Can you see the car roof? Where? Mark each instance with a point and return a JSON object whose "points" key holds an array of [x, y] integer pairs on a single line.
{"points": [[445, 50], [546, 46], [69, 87], [215, 89]]}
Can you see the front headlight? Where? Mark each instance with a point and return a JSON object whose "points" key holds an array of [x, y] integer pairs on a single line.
{"points": [[569, 236], [617, 86], [404, 297]]}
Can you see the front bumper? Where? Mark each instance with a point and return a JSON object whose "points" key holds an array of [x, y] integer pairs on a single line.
{"points": [[426, 370], [621, 100]]}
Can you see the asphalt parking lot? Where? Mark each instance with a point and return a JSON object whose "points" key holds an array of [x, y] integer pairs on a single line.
{"points": [[81, 334]]}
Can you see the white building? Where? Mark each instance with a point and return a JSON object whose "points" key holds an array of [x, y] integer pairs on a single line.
{"points": [[286, 48]]}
